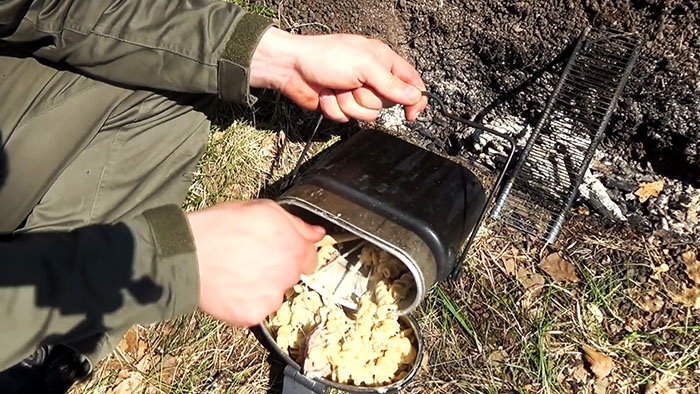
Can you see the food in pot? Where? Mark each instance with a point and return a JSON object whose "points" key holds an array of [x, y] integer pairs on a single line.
{"points": [[369, 347]]}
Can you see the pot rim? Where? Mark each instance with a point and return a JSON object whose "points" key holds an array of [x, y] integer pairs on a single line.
{"points": [[407, 260]]}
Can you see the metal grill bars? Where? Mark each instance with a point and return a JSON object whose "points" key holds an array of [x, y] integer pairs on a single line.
{"points": [[544, 181]]}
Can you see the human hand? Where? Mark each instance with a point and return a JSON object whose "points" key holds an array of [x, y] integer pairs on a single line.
{"points": [[345, 76], [249, 254]]}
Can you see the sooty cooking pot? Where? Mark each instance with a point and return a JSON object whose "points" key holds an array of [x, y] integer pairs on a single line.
{"points": [[412, 203], [422, 208]]}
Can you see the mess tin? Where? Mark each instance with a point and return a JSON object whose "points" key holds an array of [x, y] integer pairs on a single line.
{"points": [[420, 207]]}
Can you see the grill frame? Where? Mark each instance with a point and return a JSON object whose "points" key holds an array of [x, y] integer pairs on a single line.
{"points": [[538, 193]]}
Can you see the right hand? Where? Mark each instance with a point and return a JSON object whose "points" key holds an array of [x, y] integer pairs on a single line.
{"points": [[249, 254], [344, 75]]}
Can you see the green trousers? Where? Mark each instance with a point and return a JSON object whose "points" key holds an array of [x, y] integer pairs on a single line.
{"points": [[76, 151]]}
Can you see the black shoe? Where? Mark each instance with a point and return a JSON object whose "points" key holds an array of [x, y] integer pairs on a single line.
{"points": [[50, 370]]}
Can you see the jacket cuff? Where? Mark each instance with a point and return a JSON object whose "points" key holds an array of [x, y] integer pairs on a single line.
{"points": [[175, 253], [234, 65]]}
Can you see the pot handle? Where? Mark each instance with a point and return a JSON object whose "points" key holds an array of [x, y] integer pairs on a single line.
{"points": [[494, 189], [296, 383]]}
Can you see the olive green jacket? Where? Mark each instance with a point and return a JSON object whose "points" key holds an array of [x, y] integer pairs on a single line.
{"points": [[198, 46]]}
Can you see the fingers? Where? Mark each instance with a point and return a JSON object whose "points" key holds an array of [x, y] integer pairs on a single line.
{"points": [[308, 259], [406, 72], [309, 232], [309, 264], [342, 106], [368, 98], [306, 96], [412, 111], [330, 106], [352, 109], [390, 86]]}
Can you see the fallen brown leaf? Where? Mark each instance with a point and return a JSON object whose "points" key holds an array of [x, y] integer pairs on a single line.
{"points": [[559, 269], [579, 373], [651, 303], [647, 190], [129, 344], [509, 267], [689, 297], [692, 265], [659, 270], [600, 364], [128, 385], [144, 365], [496, 357], [143, 347], [123, 374], [583, 210], [531, 281], [169, 368]]}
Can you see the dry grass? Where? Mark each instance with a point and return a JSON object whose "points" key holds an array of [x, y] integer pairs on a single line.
{"points": [[486, 332]]}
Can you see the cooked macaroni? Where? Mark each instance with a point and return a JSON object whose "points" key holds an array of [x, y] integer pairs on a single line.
{"points": [[369, 348]]}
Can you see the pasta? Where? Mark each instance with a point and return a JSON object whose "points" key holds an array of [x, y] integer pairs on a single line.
{"points": [[367, 348]]}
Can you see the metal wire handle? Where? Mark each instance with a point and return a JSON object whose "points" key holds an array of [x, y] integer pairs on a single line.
{"points": [[294, 174], [494, 189]]}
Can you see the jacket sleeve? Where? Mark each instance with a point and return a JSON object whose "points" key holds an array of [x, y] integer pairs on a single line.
{"points": [[198, 46], [65, 286]]}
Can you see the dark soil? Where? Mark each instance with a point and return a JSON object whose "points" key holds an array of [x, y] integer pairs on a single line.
{"points": [[498, 59]]}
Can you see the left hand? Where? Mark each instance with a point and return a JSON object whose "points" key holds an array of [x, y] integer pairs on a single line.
{"points": [[345, 76]]}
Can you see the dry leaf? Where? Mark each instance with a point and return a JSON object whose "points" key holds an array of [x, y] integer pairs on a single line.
{"points": [[559, 269], [128, 385], [129, 343], [531, 281], [496, 356], [583, 210], [651, 303], [649, 189], [509, 267], [692, 265], [168, 368], [144, 365], [690, 297], [659, 270], [123, 374], [579, 373], [141, 351], [600, 364]]}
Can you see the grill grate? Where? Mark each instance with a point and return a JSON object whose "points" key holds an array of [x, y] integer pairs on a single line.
{"points": [[545, 180]]}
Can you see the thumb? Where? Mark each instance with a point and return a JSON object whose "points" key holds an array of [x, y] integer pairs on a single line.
{"points": [[308, 231], [390, 86]]}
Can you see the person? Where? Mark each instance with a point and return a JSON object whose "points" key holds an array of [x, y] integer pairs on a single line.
{"points": [[102, 120]]}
